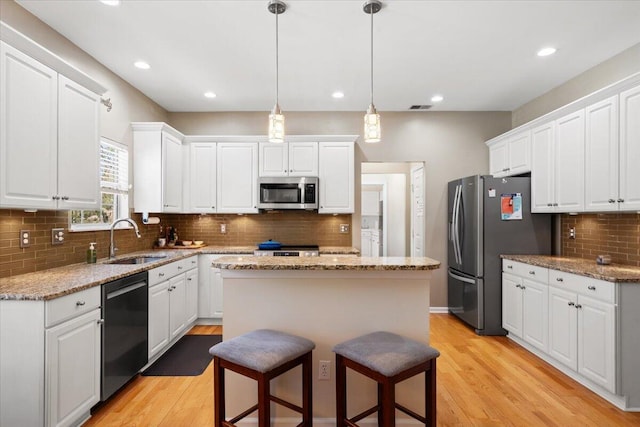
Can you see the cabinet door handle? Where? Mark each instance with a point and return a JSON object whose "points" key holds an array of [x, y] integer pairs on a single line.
{"points": [[189, 279], [80, 303], [179, 267], [193, 262], [160, 274], [559, 279], [591, 288], [620, 200], [100, 321], [213, 207], [505, 170], [65, 197], [571, 304], [517, 286], [532, 272], [510, 267], [578, 306], [611, 201], [555, 204], [55, 197], [523, 287], [549, 204]]}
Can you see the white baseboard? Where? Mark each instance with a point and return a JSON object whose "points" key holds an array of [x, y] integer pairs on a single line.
{"points": [[439, 310]]}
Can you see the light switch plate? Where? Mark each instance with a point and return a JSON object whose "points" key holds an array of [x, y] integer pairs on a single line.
{"points": [[57, 236], [25, 238]]}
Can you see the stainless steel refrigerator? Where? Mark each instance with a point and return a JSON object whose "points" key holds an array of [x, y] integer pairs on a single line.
{"points": [[488, 217]]}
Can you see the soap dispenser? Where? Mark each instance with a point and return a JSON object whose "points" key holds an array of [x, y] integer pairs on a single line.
{"points": [[92, 254]]}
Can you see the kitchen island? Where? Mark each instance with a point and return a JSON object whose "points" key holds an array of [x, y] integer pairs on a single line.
{"points": [[328, 300]]}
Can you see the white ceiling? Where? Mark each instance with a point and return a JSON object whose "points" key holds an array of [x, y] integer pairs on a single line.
{"points": [[480, 55]]}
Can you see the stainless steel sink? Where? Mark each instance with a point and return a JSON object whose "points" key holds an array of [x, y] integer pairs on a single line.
{"points": [[137, 260]]}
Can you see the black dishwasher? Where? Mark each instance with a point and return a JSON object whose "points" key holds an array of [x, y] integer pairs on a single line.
{"points": [[125, 310]]}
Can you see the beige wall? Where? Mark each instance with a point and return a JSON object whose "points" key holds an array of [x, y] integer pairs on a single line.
{"points": [[614, 69], [450, 143]]}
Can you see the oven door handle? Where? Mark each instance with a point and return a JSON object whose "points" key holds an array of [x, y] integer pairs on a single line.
{"points": [[129, 288]]}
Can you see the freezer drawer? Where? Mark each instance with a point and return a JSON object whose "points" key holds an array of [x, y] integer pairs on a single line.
{"points": [[465, 298]]}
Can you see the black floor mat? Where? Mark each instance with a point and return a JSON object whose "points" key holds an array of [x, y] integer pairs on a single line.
{"points": [[188, 357]]}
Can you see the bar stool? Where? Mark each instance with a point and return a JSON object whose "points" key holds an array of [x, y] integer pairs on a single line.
{"points": [[388, 359], [262, 355]]}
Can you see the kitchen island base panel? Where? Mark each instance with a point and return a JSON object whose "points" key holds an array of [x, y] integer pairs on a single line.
{"points": [[326, 307]]}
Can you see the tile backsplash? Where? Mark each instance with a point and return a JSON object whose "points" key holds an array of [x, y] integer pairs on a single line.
{"points": [[617, 235], [290, 227]]}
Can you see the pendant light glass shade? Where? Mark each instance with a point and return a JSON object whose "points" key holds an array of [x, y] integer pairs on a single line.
{"points": [[276, 118], [372, 128]]}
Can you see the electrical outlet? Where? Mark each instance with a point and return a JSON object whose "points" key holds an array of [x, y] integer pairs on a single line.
{"points": [[324, 371], [57, 236], [344, 228], [223, 228], [25, 238], [572, 233]]}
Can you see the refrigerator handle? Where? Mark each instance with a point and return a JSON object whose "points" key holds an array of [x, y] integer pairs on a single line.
{"points": [[453, 225], [457, 225], [462, 279]]}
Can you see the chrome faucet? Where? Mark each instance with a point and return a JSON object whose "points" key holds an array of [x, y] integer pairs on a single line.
{"points": [[112, 247]]}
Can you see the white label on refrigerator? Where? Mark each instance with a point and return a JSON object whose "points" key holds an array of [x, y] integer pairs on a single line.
{"points": [[492, 192]]}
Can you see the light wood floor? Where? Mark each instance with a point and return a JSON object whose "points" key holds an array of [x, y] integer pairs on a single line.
{"points": [[482, 381]]}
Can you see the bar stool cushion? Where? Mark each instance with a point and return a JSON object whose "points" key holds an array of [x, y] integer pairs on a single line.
{"points": [[385, 352], [262, 350]]}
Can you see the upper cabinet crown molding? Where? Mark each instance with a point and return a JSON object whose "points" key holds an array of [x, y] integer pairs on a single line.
{"points": [[158, 127], [21, 42]]}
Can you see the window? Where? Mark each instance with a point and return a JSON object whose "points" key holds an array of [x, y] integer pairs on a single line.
{"points": [[114, 187]]}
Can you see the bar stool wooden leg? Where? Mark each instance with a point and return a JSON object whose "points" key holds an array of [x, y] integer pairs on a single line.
{"points": [[218, 393], [341, 391], [307, 403], [430, 394], [388, 403], [264, 402]]}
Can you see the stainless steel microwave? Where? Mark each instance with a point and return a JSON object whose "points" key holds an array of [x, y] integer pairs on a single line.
{"points": [[288, 193]]}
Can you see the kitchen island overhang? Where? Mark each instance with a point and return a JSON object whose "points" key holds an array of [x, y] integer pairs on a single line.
{"points": [[328, 300]]}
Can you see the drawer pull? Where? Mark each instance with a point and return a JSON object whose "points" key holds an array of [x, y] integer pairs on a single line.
{"points": [[179, 267], [510, 267], [611, 201], [518, 286], [559, 279], [193, 262], [591, 288], [189, 279], [571, 303], [620, 200], [532, 272], [523, 287], [161, 274], [80, 303], [578, 306]]}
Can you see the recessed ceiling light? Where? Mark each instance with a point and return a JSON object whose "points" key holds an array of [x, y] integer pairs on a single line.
{"points": [[547, 51], [437, 98], [142, 65], [110, 2], [338, 94], [210, 95]]}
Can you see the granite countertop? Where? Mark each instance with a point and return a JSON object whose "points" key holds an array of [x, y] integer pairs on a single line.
{"points": [[60, 281], [581, 266], [324, 263]]}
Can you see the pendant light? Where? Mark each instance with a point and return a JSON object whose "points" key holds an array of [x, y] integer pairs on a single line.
{"points": [[372, 132], [276, 118]]}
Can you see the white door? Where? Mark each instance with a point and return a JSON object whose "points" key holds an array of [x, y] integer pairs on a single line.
{"points": [[191, 305], [601, 156], [177, 305], [512, 304], [237, 171], [569, 162], [274, 159], [563, 327], [535, 314], [417, 212], [365, 243], [303, 159], [28, 131], [499, 159], [202, 177], [336, 177], [596, 341], [542, 168], [216, 293], [73, 368], [630, 149], [78, 146], [158, 317], [171, 173]]}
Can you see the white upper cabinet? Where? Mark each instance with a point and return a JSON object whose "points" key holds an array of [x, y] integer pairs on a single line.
{"points": [[542, 162], [630, 149], [237, 176], [78, 146], [601, 156], [336, 177], [288, 159], [157, 168], [510, 156], [569, 163], [49, 141], [200, 178]]}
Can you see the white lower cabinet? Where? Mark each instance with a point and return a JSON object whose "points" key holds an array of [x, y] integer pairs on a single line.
{"points": [[54, 378], [210, 287], [577, 322], [173, 300], [524, 303]]}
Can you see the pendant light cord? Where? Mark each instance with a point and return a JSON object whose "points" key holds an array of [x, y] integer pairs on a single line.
{"points": [[371, 13], [276, 54]]}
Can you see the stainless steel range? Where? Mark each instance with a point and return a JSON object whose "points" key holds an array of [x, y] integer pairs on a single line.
{"points": [[303, 251]]}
